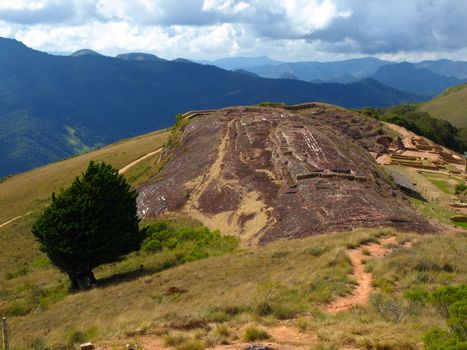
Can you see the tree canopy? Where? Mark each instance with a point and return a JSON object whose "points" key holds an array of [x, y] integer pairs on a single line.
{"points": [[90, 223]]}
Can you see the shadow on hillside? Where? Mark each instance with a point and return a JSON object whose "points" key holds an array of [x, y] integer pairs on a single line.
{"points": [[127, 276]]}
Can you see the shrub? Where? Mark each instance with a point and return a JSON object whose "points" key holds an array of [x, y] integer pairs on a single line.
{"points": [[188, 243], [458, 318], [254, 334], [38, 344], [391, 309], [444, 297], [451, 303], [19, 308], [264, 308], [437, 339], [190, 345], [315, 251], [366, 251], [222, 330], [76, 337], [174, 339]]}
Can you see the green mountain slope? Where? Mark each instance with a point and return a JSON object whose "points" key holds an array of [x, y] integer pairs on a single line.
{"points": [[451, 105], [102, 99]]}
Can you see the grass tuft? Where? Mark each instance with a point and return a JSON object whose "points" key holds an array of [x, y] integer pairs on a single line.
{"points": [[254, 334]]}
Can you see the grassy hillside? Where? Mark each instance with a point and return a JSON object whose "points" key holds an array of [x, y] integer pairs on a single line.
{"points": [[422, 123], [31, 190], [450, 105], [174, 296]]}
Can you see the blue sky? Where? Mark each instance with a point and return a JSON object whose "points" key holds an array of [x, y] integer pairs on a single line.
{"points": [[289, 30]]}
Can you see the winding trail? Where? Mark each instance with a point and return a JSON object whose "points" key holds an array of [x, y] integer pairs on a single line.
{"points": [[132, 164], [361, 294], [121, 171], [14, 219]]}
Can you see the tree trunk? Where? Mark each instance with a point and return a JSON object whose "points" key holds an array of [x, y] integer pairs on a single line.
{"points": [[73, 280], [91, 277], [82, 280]]}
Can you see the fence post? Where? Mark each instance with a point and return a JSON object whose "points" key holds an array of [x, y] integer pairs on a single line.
{"points": [[5, 334]]}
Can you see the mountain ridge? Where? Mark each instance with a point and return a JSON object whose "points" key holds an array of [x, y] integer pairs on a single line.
{"points": [[101, 99]]}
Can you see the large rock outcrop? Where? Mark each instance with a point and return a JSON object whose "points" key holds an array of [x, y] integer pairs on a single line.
{"points": [[270, 173]]}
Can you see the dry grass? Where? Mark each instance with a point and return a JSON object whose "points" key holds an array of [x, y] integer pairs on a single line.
{"points": [[449, 106], [31, 190], [259, 285], [218, 290]]}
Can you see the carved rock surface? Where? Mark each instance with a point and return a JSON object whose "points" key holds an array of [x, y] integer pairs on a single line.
{"points": [[269, 173]]}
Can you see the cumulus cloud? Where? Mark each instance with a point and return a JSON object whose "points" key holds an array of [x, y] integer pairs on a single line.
{"points": [[213, 28]]}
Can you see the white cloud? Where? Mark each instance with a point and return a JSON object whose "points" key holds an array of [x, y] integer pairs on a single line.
{"points": [[30, 5], [285, 29]]}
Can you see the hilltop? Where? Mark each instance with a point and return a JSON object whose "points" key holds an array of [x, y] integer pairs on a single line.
{"points": [[451, 105], [271, 173]]}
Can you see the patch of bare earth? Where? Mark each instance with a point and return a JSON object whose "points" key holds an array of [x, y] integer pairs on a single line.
{"points": [[282, 337], [360, 295], [139, 160], [13, 220]]}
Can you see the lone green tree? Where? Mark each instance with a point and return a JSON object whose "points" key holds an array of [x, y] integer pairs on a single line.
{"points": [[90, 223]]}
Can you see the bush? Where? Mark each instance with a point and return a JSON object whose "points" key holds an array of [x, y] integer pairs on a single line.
{"points": [[254, 334], [191, 345], [451, 303], [222, 330], [444, 297], [188, 243], [315, 251], [77, 337], [437, 339], [174, 340], [391, 309], [38, 344], [458, 318]]}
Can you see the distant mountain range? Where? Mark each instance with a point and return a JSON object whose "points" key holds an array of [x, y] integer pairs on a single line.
{"points": [[53, 107], [357, 68], [405, 76], [427, 78], [234, 63]]}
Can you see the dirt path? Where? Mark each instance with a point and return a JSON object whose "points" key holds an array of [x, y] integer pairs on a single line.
{"points": [[361, 293], [121, 171], [12, 220], [132, 164], [283, 337]]}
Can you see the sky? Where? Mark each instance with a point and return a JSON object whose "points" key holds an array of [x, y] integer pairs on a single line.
{"points": [[286, 30]]}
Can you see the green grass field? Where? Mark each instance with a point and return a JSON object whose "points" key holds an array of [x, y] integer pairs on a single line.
{"points": [[450, 106], [445, 183]]}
